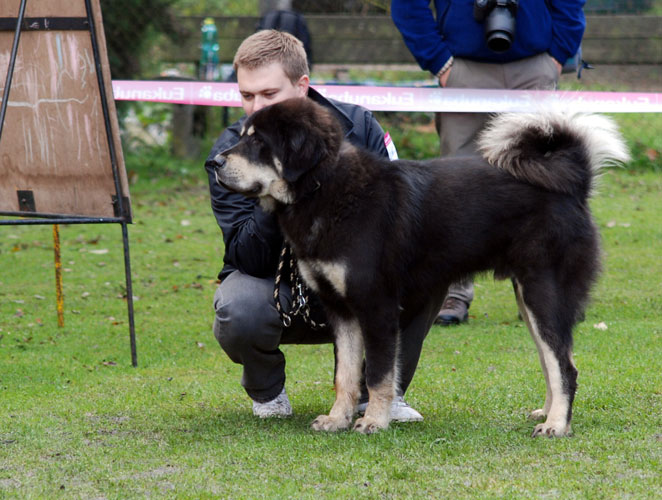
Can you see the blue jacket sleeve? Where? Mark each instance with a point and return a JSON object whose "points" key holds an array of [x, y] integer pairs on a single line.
{"points": [[568, 24], [416, 22]]}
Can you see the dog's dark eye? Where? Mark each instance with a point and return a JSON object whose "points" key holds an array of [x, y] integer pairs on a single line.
{"points": [[252, 141]]}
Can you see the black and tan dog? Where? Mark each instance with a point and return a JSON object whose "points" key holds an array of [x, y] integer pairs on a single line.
{"points": [[374, 238]]}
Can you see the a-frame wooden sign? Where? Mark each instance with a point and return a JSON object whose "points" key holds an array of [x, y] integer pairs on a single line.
{"points": [[60, 153]]}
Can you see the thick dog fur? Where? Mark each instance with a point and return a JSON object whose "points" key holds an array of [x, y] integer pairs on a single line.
{"points": [[375, 238]]}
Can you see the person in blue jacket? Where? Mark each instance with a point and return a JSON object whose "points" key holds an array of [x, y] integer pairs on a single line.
{"points": [[488, 44], [271, 66]]}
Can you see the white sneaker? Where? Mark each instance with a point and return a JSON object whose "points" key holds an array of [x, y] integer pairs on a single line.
{"points": [[277, 407], [400, 411]]}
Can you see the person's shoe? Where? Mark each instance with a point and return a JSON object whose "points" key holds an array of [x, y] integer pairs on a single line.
{"points": [[453, 312], [278, 407], [400, 411]]}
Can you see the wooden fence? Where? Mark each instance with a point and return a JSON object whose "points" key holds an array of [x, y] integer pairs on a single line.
{"points": [[348, 40]]}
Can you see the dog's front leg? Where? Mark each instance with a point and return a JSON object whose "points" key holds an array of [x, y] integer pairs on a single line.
{"points": [[382, 377], [378, 413], [349, 359]]}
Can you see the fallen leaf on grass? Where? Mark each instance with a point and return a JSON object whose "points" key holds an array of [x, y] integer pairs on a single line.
{"points": [[613, 223], [108, 363], [99, 251], [91, 241], [600, 326], [652, 154]]}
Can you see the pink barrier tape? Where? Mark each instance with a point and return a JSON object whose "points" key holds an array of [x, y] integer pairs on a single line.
{"points": [[404, 98]]}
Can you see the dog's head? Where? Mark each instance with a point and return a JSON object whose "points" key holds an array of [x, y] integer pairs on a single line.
{"points": [[279, 144]]}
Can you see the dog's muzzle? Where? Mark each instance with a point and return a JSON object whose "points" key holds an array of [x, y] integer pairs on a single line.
{"points": [[219, 161]]}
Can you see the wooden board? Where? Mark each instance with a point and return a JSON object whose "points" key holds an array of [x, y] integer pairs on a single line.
{"points": [[44, 8], [54, 141]]}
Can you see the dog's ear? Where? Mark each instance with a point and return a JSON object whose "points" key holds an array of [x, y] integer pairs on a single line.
{"points": [[304, 150], [303, 135]]}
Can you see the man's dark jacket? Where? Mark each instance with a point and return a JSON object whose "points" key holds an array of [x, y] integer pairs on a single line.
{"points": [[251, 235]]}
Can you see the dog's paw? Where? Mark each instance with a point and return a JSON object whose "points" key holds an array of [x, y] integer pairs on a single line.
{"points": [[367, 425], [537, 414], [330, 424], [551, 430]]}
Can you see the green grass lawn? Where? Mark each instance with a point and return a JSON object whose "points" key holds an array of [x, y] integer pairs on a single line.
{"points": [[77, 421]]}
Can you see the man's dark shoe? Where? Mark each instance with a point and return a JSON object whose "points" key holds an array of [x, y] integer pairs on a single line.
{"points": [[453, 312]]}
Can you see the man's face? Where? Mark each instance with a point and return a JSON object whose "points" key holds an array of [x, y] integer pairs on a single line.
{"points": [[267, 85]]}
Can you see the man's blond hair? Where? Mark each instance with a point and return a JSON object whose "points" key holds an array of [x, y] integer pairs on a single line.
{"points": [[269, 46]]}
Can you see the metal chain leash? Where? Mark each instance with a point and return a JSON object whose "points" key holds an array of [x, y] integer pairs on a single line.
{"points": [[300, 305]]}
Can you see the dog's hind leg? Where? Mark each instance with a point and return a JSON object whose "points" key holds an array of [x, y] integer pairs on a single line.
{"points": [[349, 363], [541, 413], [546, 325]]}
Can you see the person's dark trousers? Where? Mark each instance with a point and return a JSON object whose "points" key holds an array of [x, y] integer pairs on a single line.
{"points": [[248, 328]]}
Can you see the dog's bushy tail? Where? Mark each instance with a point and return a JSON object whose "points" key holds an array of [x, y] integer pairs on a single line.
{"points": [[557, 151]]}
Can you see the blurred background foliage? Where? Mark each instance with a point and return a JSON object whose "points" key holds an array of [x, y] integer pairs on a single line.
{"points": [[134, 27], [135, 30]]}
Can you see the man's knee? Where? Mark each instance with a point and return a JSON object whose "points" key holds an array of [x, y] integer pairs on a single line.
{"points": [[245, 316]]}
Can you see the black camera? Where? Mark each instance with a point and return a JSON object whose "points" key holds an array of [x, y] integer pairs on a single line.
{"points": [[499, 19]]}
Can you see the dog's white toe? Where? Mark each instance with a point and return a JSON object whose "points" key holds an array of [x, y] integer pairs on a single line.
{"points": [[537, 414], [551, 430], [330, 424], [368, 425]]}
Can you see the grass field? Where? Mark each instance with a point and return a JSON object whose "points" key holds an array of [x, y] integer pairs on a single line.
{"points": [[77, 421]]}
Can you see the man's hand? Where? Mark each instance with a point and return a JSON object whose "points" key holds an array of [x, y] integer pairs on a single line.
{"points": [[444, 78]]}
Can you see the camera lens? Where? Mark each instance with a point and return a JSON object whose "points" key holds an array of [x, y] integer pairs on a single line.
{"points": [[499, 41], [499, 29]]}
